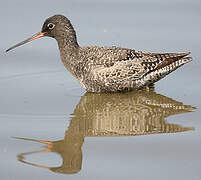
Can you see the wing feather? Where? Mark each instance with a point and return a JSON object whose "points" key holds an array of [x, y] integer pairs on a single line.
{"points": [[121, 64]]}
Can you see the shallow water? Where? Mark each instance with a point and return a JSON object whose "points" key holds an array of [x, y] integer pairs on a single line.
{"points": [[51, 128]]}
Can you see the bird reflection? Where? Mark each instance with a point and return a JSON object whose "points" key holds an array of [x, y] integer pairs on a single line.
{"points": [[100, 115]]}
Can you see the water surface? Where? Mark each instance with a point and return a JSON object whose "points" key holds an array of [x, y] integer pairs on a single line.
{"points": [[63, 132]]}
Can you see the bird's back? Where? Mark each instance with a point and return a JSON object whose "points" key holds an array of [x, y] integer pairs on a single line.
{"points": [[112, 69]]}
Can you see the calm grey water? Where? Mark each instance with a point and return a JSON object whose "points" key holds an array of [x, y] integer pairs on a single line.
{"points": [[90, 136]]}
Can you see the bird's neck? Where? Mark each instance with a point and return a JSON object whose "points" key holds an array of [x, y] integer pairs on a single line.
{"points": [[69, 48], [68, 42]]}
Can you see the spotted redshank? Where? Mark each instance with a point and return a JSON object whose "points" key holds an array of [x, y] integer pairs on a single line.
{"points": [[107, 69]]}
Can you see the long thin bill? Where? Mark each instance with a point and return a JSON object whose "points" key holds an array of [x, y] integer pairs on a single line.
{"points": [[35, 36]]}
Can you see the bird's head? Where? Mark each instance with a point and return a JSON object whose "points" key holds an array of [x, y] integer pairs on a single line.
{"points": [[57, 26]]}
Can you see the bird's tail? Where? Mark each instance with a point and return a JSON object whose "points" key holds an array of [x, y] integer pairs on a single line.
{"points": [[171, 62]]}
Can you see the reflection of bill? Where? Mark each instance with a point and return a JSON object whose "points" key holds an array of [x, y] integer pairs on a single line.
{"points": [[99, 115]]}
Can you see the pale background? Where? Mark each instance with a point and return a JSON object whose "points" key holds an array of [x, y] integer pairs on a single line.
{"points": [[37, 94]]}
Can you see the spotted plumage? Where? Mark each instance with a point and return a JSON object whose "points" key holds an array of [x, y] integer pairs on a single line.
{"points": [[108, 69]]}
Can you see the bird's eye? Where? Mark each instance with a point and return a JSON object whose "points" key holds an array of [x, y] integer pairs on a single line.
{"points": [[50, 26]]}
